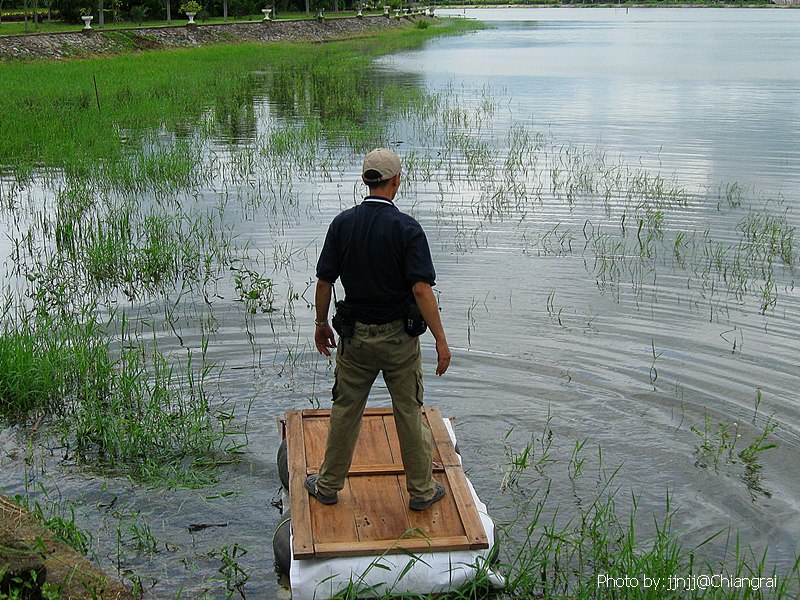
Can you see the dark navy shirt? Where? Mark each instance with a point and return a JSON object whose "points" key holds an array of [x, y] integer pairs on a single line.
{"points": [[379, 253]]}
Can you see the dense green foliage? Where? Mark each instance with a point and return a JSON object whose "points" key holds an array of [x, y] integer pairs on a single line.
{"points": [[116, 11]]}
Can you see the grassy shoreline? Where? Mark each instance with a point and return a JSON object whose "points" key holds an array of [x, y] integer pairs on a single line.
{"points": [[69, 114]]}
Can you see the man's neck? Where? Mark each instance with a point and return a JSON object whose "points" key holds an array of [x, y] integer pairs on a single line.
{"points": [[373, 199], [386, 190]]}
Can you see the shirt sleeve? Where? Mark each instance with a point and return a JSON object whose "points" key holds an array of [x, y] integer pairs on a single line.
{"points": [[328, 268], [418, 261]]}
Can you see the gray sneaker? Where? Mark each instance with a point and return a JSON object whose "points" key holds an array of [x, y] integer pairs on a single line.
{"points": [[426, 504], [311, 486]]}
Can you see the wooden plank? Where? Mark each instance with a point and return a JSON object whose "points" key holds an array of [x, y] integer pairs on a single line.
{"points": [[359, 470], [334, 522], [442, 520], [436, 455], [394, 441], [316, 435], [303, 546], [441, 438], [373, 444], [379, 410], [473, 526], [378, 508], [326, 412], [418, 545]]}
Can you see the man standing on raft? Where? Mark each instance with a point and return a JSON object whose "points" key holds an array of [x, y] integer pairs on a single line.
{"points": [[384, 261]]}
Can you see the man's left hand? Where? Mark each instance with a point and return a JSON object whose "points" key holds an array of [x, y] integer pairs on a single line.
{"points": [[443, 357]]}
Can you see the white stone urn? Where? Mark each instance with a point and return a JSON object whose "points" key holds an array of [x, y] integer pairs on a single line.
{"points": [[360, 14], [385, 11], [87, 21], [267, 13], [191, 18]]}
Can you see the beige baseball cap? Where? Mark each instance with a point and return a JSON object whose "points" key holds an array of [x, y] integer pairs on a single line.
{"points": [[379, 165]]}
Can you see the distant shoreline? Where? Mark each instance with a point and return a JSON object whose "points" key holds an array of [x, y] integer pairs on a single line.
{"points": [[625, 4], [103, 42]]}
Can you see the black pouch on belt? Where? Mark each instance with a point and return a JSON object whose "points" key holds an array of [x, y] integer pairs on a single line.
{"points": [[343, 320], [413, 323]]}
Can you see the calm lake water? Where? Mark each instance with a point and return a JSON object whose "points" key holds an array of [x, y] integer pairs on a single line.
{"points": [[711, 93], [589, 229]]}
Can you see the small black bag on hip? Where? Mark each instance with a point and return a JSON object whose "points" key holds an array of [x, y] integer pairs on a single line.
{"points": [[343, 320], [413, 323]]}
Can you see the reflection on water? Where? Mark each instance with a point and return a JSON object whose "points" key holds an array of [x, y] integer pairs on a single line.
{"points": [[714, 94], [611, 251]]}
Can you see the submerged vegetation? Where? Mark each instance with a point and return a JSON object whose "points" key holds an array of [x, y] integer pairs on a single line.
{"points": [[132, 263], [124, 410], [105, 190]]}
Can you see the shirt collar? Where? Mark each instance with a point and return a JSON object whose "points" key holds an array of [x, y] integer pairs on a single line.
{"points": [[379, 200]]}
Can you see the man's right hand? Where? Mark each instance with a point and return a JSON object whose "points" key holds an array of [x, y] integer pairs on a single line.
{"points": [[325, 339]]}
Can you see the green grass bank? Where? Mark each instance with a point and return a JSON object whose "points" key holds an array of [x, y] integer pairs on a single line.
{"points": [[71, 114]]}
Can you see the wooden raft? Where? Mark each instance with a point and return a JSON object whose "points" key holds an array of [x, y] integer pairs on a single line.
{"points": [[372, 515]]}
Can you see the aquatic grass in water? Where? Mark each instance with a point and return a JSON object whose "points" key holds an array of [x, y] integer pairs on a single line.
{"points": [[150, 167], [95, 243], [717, 448], [59, 517], [130, 413], [46, 357], [601, 554], [592, 548]]}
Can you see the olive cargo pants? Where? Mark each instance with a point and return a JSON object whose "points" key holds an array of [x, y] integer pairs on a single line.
{"points": [[373, 349]]}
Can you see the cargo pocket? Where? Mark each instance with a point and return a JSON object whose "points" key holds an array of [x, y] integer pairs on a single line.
{"points": [[420, 387], [335, 389]]}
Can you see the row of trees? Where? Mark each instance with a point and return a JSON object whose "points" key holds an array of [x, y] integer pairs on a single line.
{"points": [[109, 11]]}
